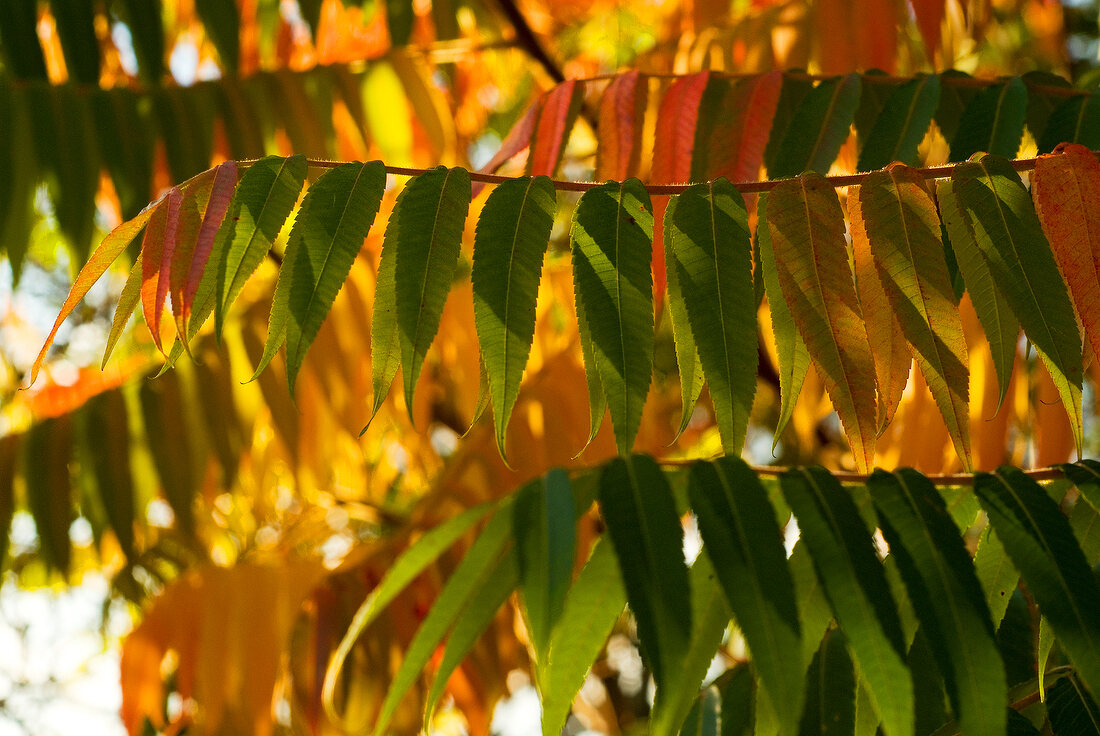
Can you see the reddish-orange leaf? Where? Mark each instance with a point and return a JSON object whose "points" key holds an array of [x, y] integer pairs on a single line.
{"points": [[741, 133], [106, 254], [518, 138], [1066, 190], [676, 122], [155, 266], [930, 14], [225, 181], [869, 39], [622, 109], [888, 344], [555, 122], [179, 253]]}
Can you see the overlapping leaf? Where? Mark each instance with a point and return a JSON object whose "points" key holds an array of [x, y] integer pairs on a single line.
{"points": [[992, 122], [612, 231], [855, 583], [898, 217], [901, 125], [830, 690], [1041, 544], [818, 128], [941, 582], [806, 226], [744, 542], [556, 118], [687, 355], [513, 232], [622, 107], [1010, 239]]}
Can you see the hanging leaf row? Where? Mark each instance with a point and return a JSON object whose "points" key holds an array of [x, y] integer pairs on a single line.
{"points": [[927, 593], [1022, 265]]}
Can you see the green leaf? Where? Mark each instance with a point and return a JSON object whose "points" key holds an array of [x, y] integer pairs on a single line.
{"points": [[404, 570], [75, 20], [641, 518], [1042, 101], [385, 345], [399, 20], [1009, 236], [712, 258], [705, 716], [818, 129], [597, 398], [687, 356], [612, 243], [993, 122], [830, 690], [471, 623], [591, 609], [807, 227], [428, 234], [46, 452], [737, 688], [1040, 542], [1085, 474], [996, 574], [9, 453], [477, 569], [902, 124], [814, 612], [855, 584], [106, 435], [222, 23], [1076, 120], [903, 228], [710, 615], [943, 587], [1072, 710], [794, 358], [545, 532], [334, 219], [795, 87], [743, 539], [147, 31], [265, 195], [127, 301], [513, 232], [21, 47], [162, 406], [120, 114], [994, 314], [954, 99], [18, 172]]}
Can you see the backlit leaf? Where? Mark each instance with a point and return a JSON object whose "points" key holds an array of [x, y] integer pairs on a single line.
{"points": [[743, 540], [818, 128], [160, 236], [1041, 544], [641, 518], [179, 253], [221, 193], [513, 232], [556, 119], [622, 108], [1085, 474], [1011, 240], [147, 29], [127, 303], [427, 232], [711, 253], [900, 221], [591, 609], [221, 21], [793, 91], [46, 452], [597, 398], [333, 221], [705, 716], [1072, 710], [855, 583], [1066, 189], [794, 358], [162, 406], [739, 135], [941, 582], [612, 232], [994, 314], [830, 690], [901, 125], [676, 122], [75, 22], [106, 434], [9, 452], [996, 574], [806, 226], [993, 122], [267, 191], [1075, 120], [687, 356], [385, 344]]}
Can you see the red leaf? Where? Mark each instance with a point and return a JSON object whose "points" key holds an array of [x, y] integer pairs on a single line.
{"points": [[930, 14], [106, 254], [225, 181], [675, 139], [622, 109], [179, 253], [555, 122], [156, 249], [1066, 190], [518, 138], [870, 40], [741, 133]]}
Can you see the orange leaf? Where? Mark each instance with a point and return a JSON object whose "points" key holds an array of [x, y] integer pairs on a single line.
{"points": [[555, 122], [1066, 190], [156, 252], [622, 109], [870, 38], [196, 194], [741, 132], [676, 122], [106, 254], [225, 181], [888, 344]]}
